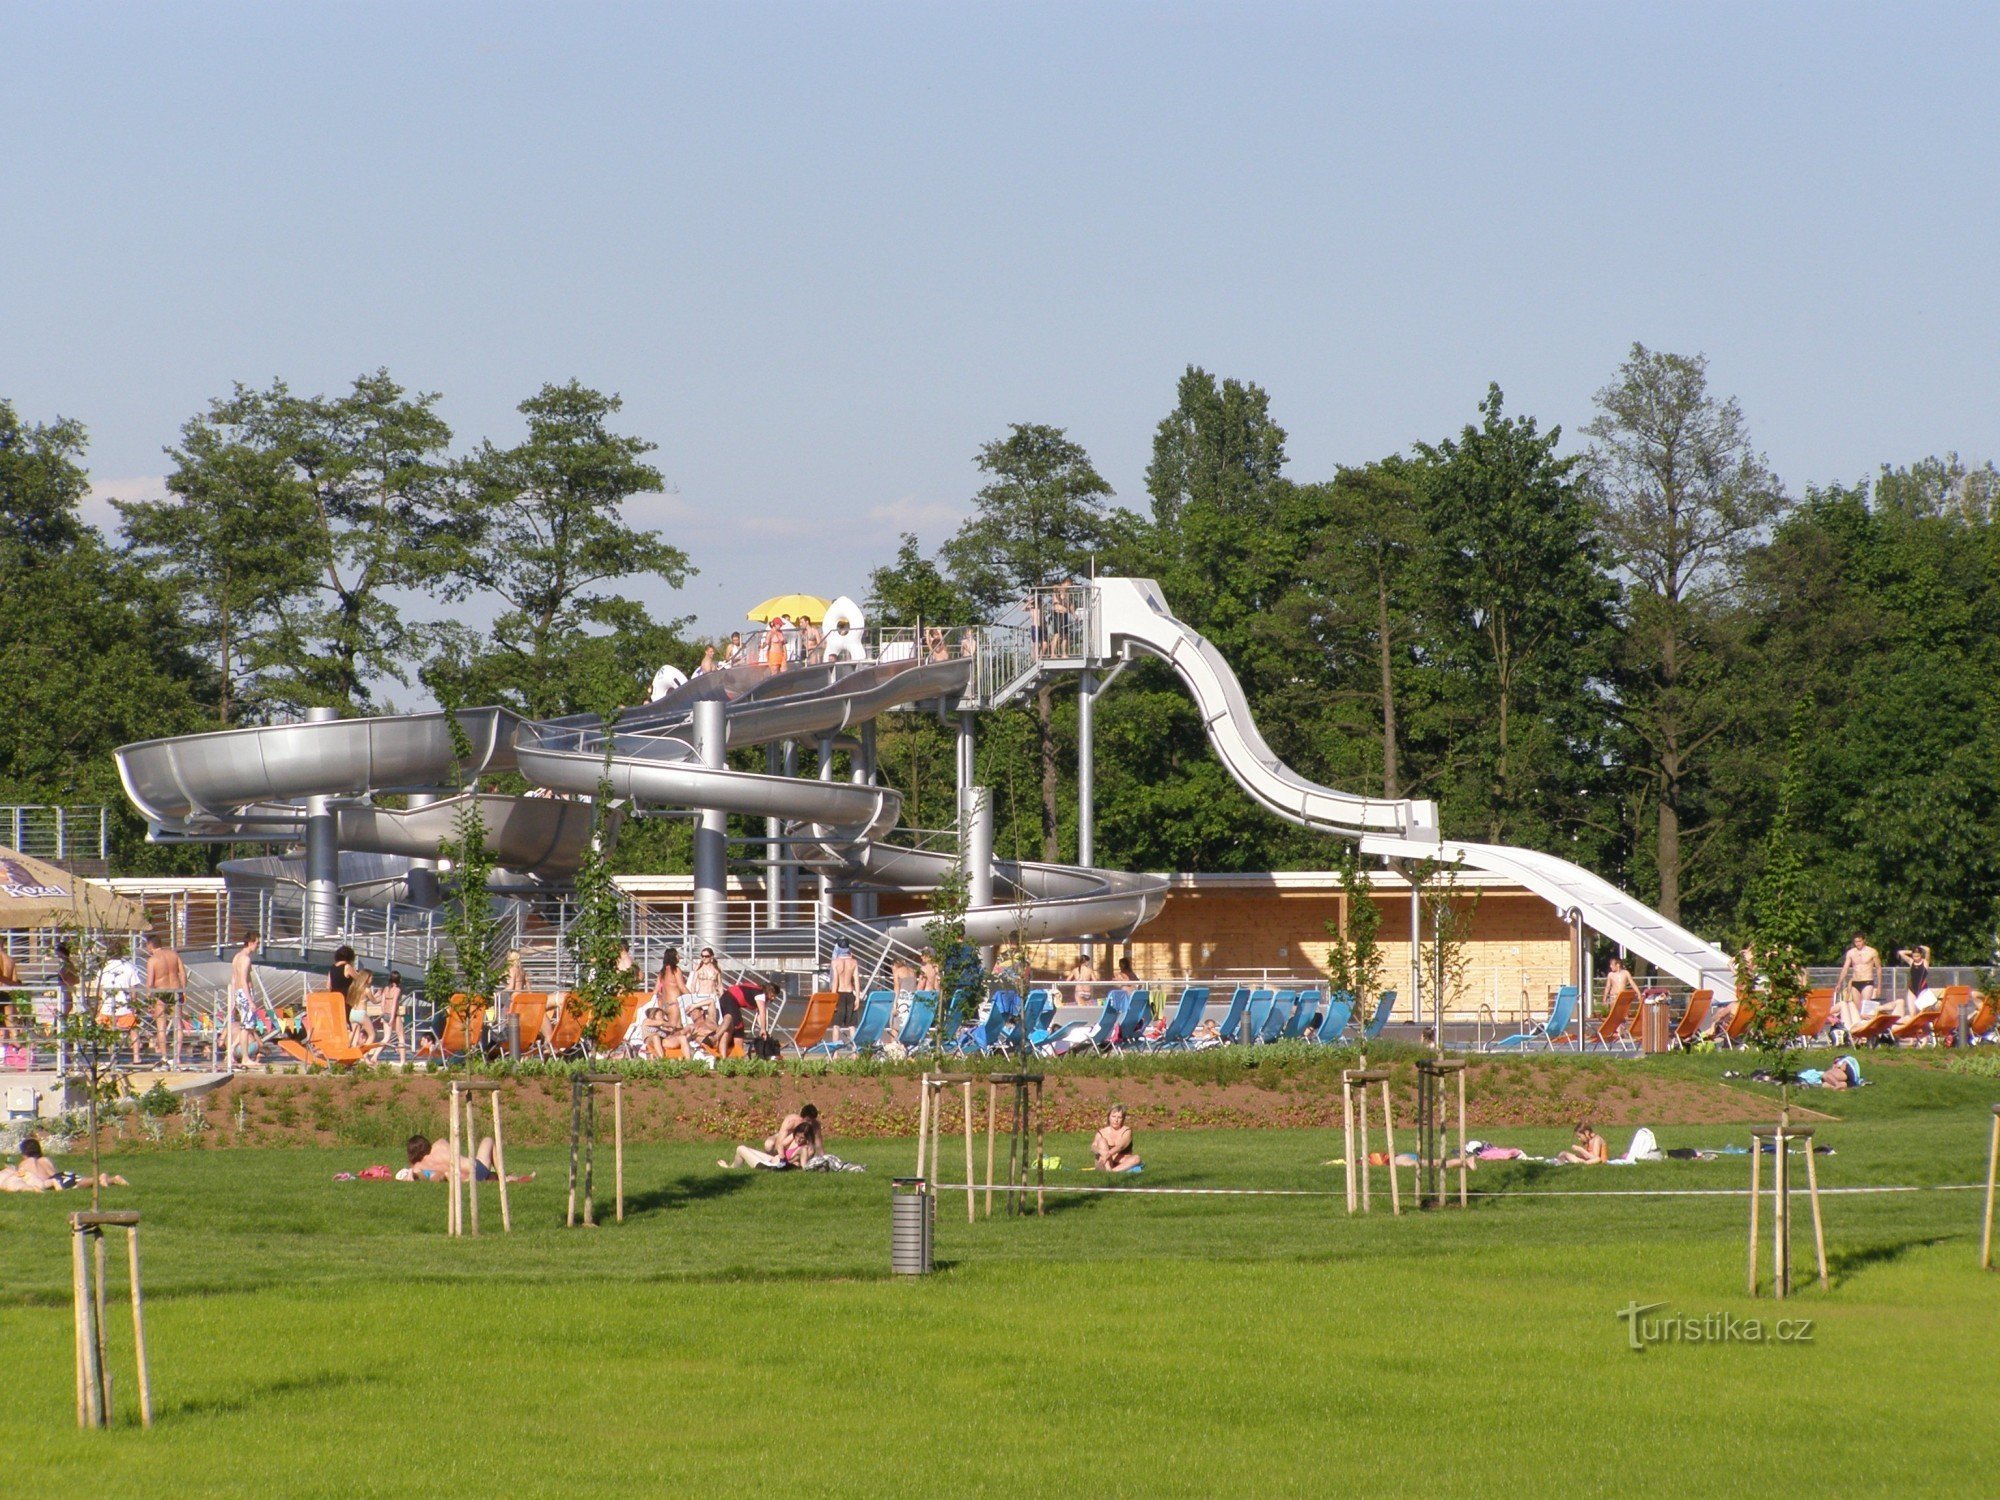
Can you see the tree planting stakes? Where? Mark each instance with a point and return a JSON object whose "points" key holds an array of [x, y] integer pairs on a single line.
{"points": [[1431, 1110], [1354, 1084], [93, 1380], [583, 1132], [465, 1094], [1017, 1140], [1780, 1137], [930, 1131], [1992, 1176]]}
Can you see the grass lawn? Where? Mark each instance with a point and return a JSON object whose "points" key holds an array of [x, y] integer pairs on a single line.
{"points": [[740, 1333]]}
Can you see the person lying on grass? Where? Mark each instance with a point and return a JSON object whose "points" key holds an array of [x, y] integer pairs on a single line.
{"points": [[798, 1141], [37, 1174], [1111, 1148], [1590, 1147], [431, 1161]]}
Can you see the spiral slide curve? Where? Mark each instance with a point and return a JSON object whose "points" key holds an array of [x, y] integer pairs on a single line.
{"points": [[252, 785], [1131, 613]]}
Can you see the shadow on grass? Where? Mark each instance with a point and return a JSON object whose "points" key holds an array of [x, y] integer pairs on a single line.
{"points": [[1843, 1266], [256, 1395], [685, 1192]]}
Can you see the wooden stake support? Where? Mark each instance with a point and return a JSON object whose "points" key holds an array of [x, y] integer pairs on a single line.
{"points": [[1992, 1177], [93, 1378], [1780, 1137], [462, 1212], [930, 1132], [1354, 1086], [583, 1138], [1024, 1121], [1431, 1130]]}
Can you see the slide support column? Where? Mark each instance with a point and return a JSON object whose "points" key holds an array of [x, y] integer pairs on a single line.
{"points": [[711, 831], [322, 915]]}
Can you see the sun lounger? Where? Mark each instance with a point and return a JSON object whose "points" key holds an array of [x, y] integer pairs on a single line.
{"points": [[1305, 1005], [867, 1030], [917, 1023], [463, 1029], [1186, 1016], [1339, 1011], [1232, 1021], [1035, 1020], [530, 1009], [1616, 1030], [1691, 1019], [1548, 1032], [1819, 1011], [1132, 1023], [1385, 1004], [821, 1006], [1262, 1003]]}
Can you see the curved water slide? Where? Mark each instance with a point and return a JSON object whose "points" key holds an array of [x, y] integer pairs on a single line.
{"points": [[650, 756], [254, 784], [1131, 613]]}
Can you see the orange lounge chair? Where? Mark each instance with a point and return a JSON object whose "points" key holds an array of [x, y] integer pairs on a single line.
{"points": [[1982, 1019], [532, 1009], [327, 1041], [464, 1029], [568, 1029], [1691, 1019], [1819, 1010], [1930, 1025], [610, 1037], [1616, 1029], [820, 1008]]}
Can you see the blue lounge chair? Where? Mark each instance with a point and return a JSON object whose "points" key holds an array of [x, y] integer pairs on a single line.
{"points": [[1546, 1032], [1262, 1003], [1232, 1023], [1303, 1010], [917, 1024], [1384, 1004], [1132, 1024], [867, 1031], [1283, 1003], [1095, 1034], [1035, 1022], [1187, 1016], [1004, 1007], [1339, 1010]]}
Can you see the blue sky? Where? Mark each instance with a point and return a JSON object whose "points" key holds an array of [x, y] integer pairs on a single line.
{"points": [[826, 251]]}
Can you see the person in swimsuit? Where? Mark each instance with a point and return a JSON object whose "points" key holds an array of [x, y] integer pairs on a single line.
{"points": [[431, 1161], [1590, 1148], [1111, 1148], [166, 984], [241, 1025], [774, 645], [797, 1141], [1858, 986], [843, 976], [1920, 996]]}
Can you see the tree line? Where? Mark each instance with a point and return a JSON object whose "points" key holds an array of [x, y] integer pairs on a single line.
{"points": [[1600, 650], [1596, 652]]}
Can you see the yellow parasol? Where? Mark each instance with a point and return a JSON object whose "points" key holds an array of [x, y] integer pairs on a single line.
{"points": [[792, 607]]}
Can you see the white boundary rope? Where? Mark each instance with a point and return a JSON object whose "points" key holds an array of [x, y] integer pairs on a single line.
{"points": [[1185, 1192]]}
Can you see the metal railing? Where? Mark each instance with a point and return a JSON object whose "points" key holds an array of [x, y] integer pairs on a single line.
{"points": [[58, 834]]}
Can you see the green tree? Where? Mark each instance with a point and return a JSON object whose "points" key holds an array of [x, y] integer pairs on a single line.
{"points": [[544, 528], [1035, 523], [92, 653], [370, 467], [1522, 610], [914, 590], [232, 546], [1771, 974], [1683, 494], [1354, 957], [597, 933]]}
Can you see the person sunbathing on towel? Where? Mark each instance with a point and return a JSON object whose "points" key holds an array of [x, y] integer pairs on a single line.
{"points": [[1111, 1148], [37, 1174], [799, 1139], [1590, 1147], [431, 1161]]}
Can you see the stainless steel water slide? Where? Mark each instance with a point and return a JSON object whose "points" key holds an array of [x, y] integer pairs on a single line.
{"points": [[1131, 613], [258, 784]]}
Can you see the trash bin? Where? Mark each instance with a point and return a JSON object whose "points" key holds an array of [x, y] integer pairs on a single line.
{"points": [[912, 1217], [1655, 1026]]}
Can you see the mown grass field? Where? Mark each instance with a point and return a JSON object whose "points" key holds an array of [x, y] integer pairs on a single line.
{"points": [[740, 1333]]}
